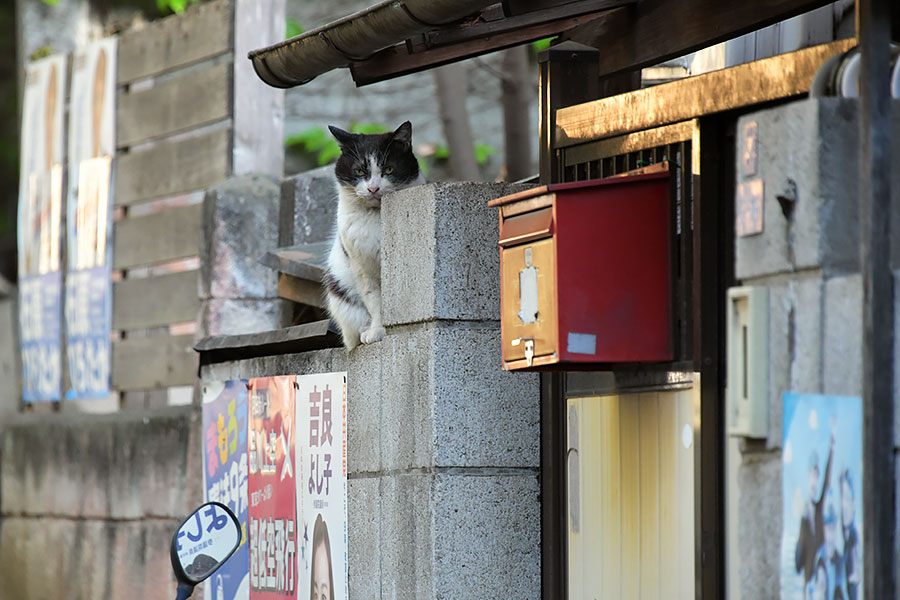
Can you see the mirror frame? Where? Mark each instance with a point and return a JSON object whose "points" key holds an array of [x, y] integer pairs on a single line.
{"points": [[180, 575]]}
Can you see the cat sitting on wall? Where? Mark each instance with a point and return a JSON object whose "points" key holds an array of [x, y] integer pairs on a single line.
{"points": [[369, 167]]}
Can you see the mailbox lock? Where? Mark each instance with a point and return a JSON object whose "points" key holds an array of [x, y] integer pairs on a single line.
{"points": [[529, 348]]}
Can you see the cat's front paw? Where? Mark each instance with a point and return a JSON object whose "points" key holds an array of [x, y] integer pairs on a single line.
{"points": [[373, 334]]}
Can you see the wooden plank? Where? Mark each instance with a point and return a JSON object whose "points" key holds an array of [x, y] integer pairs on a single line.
{"points": [[773, 78], [642, 140], [299, 338], [300, 290], [654, 31], [156, 301], [306, 261], [199, 33], [173, 167], [685, 502], [198, 97], [668, 517], [160, 237], [154, 362], [649, 476], [629, 439], [611, 505]]}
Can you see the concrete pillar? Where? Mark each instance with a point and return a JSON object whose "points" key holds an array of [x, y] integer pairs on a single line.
{"points": [[443, 445], [240, 224]]}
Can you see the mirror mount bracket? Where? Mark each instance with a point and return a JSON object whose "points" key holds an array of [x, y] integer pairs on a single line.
{"points": [[184, 590]]}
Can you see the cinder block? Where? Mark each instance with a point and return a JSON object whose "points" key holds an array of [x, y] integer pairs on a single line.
{"points": [[364, 537], [10, 368], [842, 343], [308, 207], [760, 525], [407, 537], [487, 527], [231, 316], [446, 401], [240, 224], [121, 466], [440, 258], [62, 558], [782, 321], [805, 347], [806, 149], [364, 405]]}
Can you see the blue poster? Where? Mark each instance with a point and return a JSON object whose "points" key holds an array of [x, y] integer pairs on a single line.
{"points": [[39, 326], [225, 464], [821, 545]]}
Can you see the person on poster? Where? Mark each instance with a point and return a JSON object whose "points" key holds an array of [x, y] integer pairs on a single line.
{"points": [[834, 560], [817, 586], [852, 557], [812, 523], [321, 584]]}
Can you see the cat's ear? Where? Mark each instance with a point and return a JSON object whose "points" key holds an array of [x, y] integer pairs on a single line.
{"points": [[343, 138], [403, 134]]}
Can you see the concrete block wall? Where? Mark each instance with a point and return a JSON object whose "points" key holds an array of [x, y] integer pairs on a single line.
{"points": [[240, 224], [89, 503], [808, 258]]}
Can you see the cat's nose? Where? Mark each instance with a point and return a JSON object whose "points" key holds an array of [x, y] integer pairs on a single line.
{"points": [[373, 188]]}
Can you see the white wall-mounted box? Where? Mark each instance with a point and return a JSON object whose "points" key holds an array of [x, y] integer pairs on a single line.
{"points": [[748, 362]]}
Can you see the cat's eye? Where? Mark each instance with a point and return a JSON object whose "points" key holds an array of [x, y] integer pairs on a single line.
{"points": [[360, 172], [388, 170]]}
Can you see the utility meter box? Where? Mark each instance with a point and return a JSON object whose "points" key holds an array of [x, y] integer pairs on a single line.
{"points": [[586, 273]]}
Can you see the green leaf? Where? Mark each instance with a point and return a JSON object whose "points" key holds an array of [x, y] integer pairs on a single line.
{"points": [[292, 28], [543, 44], [482, 152], [368, 128], [329, 153], [309, 140], [51, 2]]}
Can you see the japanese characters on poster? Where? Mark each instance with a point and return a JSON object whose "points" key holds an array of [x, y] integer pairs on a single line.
{"points": [[272, 486], [88, 223], [225, 464], [821, 546], [39, 219], [322, 484]]}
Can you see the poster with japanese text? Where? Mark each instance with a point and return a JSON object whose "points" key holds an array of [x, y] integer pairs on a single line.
{"points": [[225, 464], [88, 311], [821, 544], [273, 489], [322, 484], [39, 236]]}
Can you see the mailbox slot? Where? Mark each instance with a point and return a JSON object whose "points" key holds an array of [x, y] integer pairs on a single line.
{"points": [[526, 227]]}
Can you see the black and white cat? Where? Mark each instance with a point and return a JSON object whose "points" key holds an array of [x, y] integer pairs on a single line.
{"points": [[369, 167]]}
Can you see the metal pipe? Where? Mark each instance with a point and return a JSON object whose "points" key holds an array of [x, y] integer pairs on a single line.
{"points": [[354, 38]]}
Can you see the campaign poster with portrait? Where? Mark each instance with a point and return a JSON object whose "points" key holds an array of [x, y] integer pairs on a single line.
{"points": [[39, 236], [273, 489], [821, 544], [88, 303], [225, 464], [322, 484]]}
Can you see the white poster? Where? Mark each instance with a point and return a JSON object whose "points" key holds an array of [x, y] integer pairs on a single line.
{"points": [[322, 485]]}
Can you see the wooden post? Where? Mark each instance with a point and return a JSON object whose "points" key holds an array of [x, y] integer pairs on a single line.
{"points": [[569, 75], [879, 485]]}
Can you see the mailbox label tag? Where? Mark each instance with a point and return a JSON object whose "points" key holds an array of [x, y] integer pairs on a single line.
{"points": [[582, 343], [528, 295]]}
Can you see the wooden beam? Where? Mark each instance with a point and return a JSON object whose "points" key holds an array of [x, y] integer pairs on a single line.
{"points": [[156, 301], [453, 44], [760, 81], [656, 30], [302, 291], [167, 235], [154, 362]]}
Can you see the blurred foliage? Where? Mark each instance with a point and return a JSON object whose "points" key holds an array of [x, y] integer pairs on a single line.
{"points": [[543, 44], [292, 28], [482, 153], [51, 2], [175, 6], [319, 143], [42, 52]]}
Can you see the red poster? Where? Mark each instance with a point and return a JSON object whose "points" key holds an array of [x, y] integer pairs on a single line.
{"points": [[272, 489]]}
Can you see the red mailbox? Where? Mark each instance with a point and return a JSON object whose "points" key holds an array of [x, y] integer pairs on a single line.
{"points": [[586, 273]]}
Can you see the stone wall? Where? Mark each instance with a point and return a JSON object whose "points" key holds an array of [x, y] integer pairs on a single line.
{"points": [[808, 258], [443, 446]]}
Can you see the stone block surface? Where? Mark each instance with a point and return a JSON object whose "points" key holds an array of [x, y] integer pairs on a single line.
{"points": [[364, 408], [440, 258], [233, 316], [240, 224], [805, 344], [782, 323], [87, 558], [447, 403], [364, 537], [842, 341], [806, 150], [122, 466], [308, 207], [407, 537], [487, 526], [10, 367], [330, 360], [760, 526]]}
